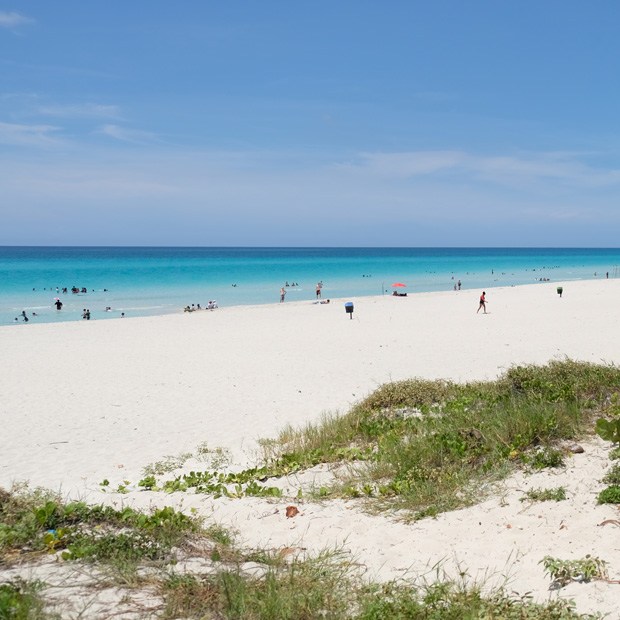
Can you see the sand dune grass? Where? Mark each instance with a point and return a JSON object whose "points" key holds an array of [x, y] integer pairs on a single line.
{"points": [[428, 446]]}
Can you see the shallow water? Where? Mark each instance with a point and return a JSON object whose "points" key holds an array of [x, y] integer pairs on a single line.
{"points": [[143, 281]]}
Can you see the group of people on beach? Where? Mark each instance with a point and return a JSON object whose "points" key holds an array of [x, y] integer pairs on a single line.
{"points": [[319, 287], [211, 305], [58, 304]]}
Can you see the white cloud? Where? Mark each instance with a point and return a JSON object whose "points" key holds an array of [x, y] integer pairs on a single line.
{"points": [[408, 164], [133, 136], [13, 19], [28, 135], [503, 169], [80, 110], [562, 168]]}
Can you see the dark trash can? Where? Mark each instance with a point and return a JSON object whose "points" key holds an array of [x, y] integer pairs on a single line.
{"points": [[560, 291], [348, 308]]}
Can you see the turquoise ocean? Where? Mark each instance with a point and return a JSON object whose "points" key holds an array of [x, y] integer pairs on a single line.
{"points": [[141, 281]]}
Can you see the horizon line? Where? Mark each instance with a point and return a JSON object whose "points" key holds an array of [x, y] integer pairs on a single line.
{"points": [[326, 247]]}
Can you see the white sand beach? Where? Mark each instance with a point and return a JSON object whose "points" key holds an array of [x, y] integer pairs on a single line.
{"points": [[80, 402]]}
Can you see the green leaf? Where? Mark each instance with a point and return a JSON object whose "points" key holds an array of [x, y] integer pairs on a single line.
{"points": [[608, 430]]}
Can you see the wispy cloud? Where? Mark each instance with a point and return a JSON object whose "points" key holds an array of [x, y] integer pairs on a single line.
{"points": [[28, 135], [13, 19], [133, 136], [407, 164], [503, 169], [80, 110], [174, 189]]}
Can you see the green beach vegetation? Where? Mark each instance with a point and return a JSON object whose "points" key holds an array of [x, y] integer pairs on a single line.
{"points": [[583, 570], [557, 494], [328, 587], [35, 523], [418, 446], [20, 600], [430, 446], [255, 584]]}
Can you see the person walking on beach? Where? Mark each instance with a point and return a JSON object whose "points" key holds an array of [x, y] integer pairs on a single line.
{"points": [[483, 303], [282, 294], [319, 286]]}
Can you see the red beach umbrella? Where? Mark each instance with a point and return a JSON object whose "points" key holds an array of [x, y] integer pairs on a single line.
{"points": [[398, 284]]}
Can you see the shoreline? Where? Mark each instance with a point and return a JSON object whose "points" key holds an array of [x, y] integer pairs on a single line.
{"points": [[156, 281], [311, 300]]}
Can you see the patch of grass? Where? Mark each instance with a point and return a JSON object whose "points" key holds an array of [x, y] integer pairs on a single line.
{"points": [[547, 457], [562, 572], [130, 547], [217, 458], [40, 522], [24, 518], [430, 446], [556, 494], [567, 380], [613, 475], [220, 534], [334, 438], [20, 600], [610, 495], [167, 465], [312, 588], [614, 455], [222, 549], [451, 601], [330, 587]]}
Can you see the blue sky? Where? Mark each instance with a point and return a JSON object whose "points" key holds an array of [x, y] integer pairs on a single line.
{"points": [[402, 123]]}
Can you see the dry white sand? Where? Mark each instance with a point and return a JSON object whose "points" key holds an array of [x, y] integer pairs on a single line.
{"points": [[80, 402]]}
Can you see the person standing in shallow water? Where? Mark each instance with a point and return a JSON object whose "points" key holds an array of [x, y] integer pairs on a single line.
{"points": [[483, 303], [282, 294]]}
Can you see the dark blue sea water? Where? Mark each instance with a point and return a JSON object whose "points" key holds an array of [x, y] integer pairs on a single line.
{"points": [[145, 281]]}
